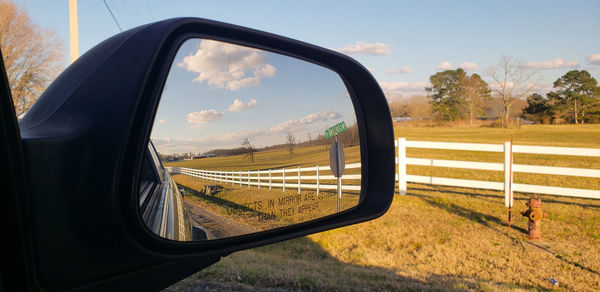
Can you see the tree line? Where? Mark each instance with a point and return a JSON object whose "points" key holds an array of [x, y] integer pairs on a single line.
{"points": [[575, 98], [457, 95], [348, 138]]}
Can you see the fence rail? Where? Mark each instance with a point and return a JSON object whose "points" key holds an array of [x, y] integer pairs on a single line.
{"points": [[276, 178], [507, 166], [292, 178]]}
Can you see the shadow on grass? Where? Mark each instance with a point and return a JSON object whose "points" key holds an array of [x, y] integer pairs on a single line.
{"points": [[474, 193], [485, 219], [563, 259], [302, 264], [228, 205], [477, 217], [241, 212]]}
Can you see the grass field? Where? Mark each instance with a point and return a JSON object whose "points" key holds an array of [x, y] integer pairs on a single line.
{"points": [[443, 238]]}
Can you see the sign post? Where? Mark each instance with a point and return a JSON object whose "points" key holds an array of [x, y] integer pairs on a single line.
{"points": [[336, 157]]}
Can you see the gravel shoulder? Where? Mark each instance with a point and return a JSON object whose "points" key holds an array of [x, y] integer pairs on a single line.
{"points": [[212, 223]]}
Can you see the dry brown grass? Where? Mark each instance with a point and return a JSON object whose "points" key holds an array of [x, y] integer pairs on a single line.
{"points": [[432, 239], [443, 238], [264, 209]]}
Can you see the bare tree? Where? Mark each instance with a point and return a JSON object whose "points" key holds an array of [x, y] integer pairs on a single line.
{"points": [[249, 148], [418, 108], [512, 81], [290, 143], [32, 55]]}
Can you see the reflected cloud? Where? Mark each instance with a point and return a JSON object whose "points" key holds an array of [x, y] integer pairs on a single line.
{"points": [[239, 105], [227, 66], [197, 119], [260, 136], [295, 124]]}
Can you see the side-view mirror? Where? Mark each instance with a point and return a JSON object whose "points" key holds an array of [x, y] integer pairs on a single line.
{"points": [[282, 139]]}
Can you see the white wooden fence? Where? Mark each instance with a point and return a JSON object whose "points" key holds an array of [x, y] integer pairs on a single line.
{"points": [[290, 178], [507, 167]]}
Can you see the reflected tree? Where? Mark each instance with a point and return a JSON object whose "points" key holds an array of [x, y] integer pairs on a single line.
{"points": [[249, 149], [290, 142]]}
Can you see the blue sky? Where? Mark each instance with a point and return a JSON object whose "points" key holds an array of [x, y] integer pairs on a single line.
{"points": [[217, 94], [402, 42]]}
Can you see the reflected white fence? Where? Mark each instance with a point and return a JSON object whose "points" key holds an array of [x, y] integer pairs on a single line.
{"points": [[507, 166], [283, 178]]}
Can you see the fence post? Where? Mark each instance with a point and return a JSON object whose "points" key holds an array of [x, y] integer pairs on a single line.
{"points": [[299, 181], [248, 179], [402, 166], [508, 177], [259, 179], [317, 180], [270, 186], [240, 177], [284, 180]]}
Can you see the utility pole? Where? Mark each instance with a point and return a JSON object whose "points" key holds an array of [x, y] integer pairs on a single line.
{"points": [[74, 31]]}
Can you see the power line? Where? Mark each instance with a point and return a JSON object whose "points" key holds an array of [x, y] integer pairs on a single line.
{"points": [[124, 3], [113, 16], [137, 12], [115, 8]]}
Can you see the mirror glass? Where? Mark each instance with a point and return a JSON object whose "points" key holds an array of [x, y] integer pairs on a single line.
{"points": [[247, 140]]}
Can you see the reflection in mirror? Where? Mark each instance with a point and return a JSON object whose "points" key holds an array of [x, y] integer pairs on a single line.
{"points": [[245, 141]]}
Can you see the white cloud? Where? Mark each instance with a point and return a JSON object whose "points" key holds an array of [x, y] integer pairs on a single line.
{"points": [[497, 86], [266, 136], [444, 65], [469, 66], [403, 86], [228, 66], [295, 124], [239, 105], [594, 59], [552, 64], [366, 49], [403, 69], [196, 119], [542, 88], [162, 121]]}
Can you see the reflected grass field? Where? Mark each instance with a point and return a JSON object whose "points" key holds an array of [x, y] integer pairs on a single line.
{"points": [[264, 209], [307, 156]]}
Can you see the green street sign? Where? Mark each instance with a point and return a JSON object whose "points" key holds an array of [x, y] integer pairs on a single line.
{"points": [[335, 130]]}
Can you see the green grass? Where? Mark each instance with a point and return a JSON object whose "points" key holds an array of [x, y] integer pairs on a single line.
{"points": [[443, 238]]}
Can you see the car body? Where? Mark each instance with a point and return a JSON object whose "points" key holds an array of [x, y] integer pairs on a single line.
{"points": [[161, 202]]}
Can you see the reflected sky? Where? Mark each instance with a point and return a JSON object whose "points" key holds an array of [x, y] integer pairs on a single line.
{"points": [[218, 93]]}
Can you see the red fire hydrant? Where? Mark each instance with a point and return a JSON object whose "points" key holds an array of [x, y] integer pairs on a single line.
{"points": [[535, 215]]}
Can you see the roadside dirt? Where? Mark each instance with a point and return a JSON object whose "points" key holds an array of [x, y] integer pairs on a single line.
{"points": [[213, 224]]}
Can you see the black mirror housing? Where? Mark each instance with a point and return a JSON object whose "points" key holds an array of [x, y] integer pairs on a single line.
{"points": [[84, 142]]}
